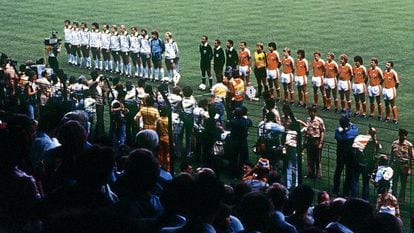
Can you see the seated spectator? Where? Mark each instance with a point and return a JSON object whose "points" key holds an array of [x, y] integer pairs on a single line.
{"points": [[278, 194], [90, 189], [186, 167], [254, 211], [354, 215], [204, 203], [18, 191], [386, 202], [257, 178], [133, 188], [301, 197], [73, 139]]}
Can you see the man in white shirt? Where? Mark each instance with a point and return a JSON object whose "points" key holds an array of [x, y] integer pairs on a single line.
{"points": [[95, 44]]}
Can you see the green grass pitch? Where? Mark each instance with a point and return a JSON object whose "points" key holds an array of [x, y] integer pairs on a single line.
{"points": [[379, 28]]}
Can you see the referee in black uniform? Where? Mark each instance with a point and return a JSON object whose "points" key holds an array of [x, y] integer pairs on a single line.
{"points": [[219, 60], [206, 54]]}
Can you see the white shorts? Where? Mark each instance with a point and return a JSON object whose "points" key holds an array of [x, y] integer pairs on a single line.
{"points": [[272, 74], [389, 93], [317, 81], [286, 78], [301, 80], [344, 85], [244, 71], [329, 83], [358, 88], [374, 90]]}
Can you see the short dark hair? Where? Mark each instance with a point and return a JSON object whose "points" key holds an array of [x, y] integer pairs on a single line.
{"points": [[142, 170], [155, 33], [358, 58], [375, 60], [96, 25], [278, 194], [204, 37], [301, 52], [187, 91], [231, 42], [391, 63], [218, 41], [244, 43], [67, 21], [272, 44]]}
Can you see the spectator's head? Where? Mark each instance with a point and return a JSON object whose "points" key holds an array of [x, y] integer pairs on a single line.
{"points": [[301, 197], [278, 194], [147, 139], [48, 122], [79, 116], [228, 195], [211, 110], [322, 215], [72, 135], [402, 133], [95, 166], [177, 90], [323, 197], [344, 121], [254, 210], [203, 103], [274, 177], [270, 116], [14, 145], [247, 167], [149, 101], [222, 221], [187, 91], [185, 166], [240, 190], [336, 206], [205, 197], [141, 170], [176, 194], [355, 214]]}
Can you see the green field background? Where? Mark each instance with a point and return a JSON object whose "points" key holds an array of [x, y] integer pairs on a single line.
{"points": [[384, 29]]}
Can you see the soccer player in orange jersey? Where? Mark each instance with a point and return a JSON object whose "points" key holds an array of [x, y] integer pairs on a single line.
{"points": [[389, 92], [244, 62], [344, 84], [374, 88], [302, 71], [318, 67], [358, 86], [330, 76], [287, 75], [272, 70]]}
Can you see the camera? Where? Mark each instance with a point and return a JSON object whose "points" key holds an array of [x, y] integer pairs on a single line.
{"points": [[53, 40]]}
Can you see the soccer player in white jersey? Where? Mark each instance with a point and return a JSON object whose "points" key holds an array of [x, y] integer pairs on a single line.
{"points": [[95, 44], [76, 39], [145, 54], [124, 42], [135, 47], [85, 37], [67, 31], [171, 53], [105, 42], [114, 47]]}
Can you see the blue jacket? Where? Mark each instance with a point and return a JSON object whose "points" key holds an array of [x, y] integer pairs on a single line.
{"points": [[349, 133]]}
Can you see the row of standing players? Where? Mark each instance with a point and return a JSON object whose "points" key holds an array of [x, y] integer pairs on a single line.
{"points": [[328, 77], [113, 49]]}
